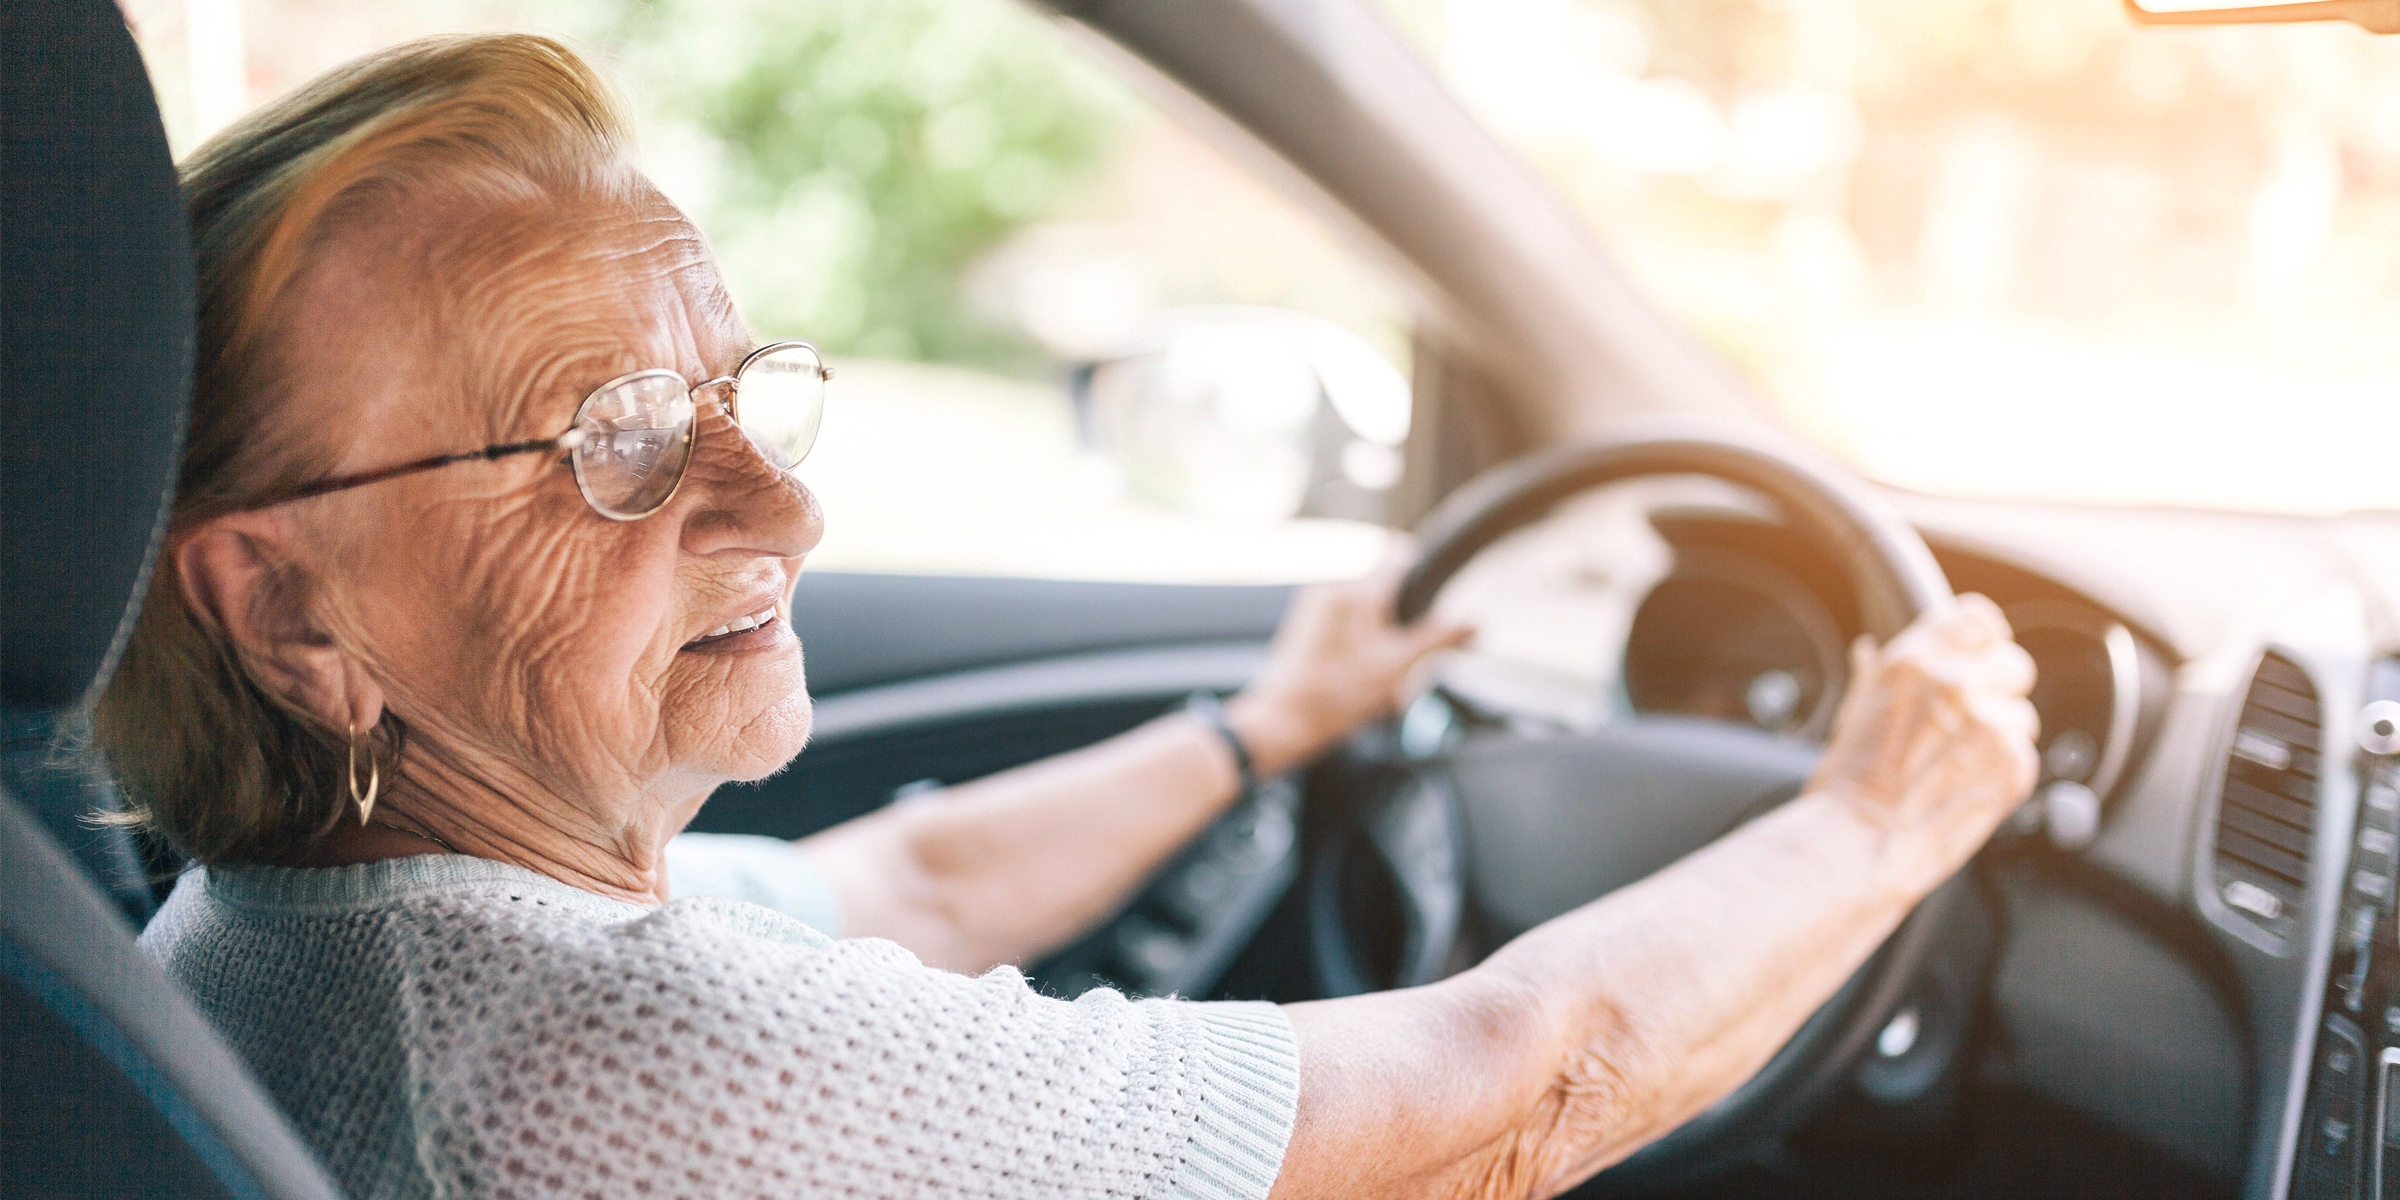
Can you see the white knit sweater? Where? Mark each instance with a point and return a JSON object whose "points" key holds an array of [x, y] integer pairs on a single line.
{"points": [[441, 1026]]}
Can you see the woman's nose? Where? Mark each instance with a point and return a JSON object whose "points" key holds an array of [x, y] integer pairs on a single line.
{"points": [[742, 502]]}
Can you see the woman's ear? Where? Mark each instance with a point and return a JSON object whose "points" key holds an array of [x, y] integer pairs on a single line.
{"points": [[239, 574]]}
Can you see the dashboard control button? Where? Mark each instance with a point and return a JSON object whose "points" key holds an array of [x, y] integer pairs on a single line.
{"points": [[2379, 727], [2072, 755], [2072, 813], [2358, 943], [1773, 698], [2383, 804]]}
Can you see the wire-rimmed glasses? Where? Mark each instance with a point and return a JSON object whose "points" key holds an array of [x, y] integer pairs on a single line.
{"points": [[632, 439]]}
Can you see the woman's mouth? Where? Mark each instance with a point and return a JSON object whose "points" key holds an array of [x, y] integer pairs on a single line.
{"points": [[759, 623]]}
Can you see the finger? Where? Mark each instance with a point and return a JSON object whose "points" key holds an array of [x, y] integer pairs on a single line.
{"points": [[2015, 717], [1862, 658], [1986, 609], [1974, 622], [2022, 726], [1968, 650], [2003, 668], [1384, 581], [1431, 634], [1306, 599], [1970, 622], [2008, 668], [1862, 675]]}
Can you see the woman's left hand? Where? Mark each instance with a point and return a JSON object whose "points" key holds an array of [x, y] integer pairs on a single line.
{"points": [[1339, 660]]}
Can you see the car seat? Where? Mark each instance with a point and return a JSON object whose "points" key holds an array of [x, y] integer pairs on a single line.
{"points": [[111, 1084]]}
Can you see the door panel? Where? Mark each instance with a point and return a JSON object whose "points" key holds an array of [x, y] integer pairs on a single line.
{"points": [[863, 629], [949, 678]]}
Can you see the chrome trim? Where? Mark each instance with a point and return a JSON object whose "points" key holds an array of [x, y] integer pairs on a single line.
{"points": [[2374, 1136], [2124, 675]]}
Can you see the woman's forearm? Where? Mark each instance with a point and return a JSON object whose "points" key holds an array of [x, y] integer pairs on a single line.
{"points": [[1602, 1029], [1015, 864], [1606, 1027], [1006, 867]]}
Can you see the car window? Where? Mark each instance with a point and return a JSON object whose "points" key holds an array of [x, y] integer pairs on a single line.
{"points": [[1070, 339], [2018, 249]]}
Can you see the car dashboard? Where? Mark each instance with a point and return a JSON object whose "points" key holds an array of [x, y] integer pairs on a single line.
{"points": [[2200, 943], [2192, 936]]}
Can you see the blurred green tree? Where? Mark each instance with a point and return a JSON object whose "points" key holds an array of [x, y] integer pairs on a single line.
{"points": [[851, 157]]}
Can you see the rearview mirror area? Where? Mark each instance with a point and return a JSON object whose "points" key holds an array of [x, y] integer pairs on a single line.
{"points": [[1246, 413]]}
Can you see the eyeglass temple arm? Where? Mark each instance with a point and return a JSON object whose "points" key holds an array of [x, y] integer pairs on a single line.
{"points": [[341, 483], [565, 441]]}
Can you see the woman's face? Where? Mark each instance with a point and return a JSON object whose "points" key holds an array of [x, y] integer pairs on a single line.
{"points": [[528, 642]]}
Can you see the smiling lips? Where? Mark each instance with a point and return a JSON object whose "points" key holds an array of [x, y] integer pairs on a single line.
{"points": [[737, 625]]}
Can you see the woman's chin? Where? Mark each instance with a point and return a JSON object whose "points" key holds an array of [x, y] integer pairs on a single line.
{"points": [[769, 742], [747, 711]]}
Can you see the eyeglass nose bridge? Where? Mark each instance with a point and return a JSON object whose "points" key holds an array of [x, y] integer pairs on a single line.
{"points": [[725, 390]]}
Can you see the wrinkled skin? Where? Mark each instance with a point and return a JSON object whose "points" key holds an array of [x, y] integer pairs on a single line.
{"points": [[563, 718], [543, 657], [561, 715], [1605, 1028], [1937, 734]]}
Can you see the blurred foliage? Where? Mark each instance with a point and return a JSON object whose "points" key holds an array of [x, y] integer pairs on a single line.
{"points": [[849, 157]]}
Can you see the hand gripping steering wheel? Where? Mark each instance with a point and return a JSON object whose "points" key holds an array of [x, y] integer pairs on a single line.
{"points": [[1518, 829]]}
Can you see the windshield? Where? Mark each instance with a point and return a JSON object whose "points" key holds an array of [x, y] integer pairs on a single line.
{"points": [[2008, 249]]}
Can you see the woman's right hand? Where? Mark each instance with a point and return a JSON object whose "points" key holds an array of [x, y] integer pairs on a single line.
{"points": [[1935, 736], [1608, 1026]]}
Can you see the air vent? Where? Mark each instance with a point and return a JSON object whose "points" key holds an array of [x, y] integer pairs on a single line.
{"points": [[2269, 811]]}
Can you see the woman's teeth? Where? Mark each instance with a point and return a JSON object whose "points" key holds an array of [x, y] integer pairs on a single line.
{"points": [[739, 625]]}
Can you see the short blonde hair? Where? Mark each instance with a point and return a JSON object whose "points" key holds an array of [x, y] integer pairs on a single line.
{"points": [[209, 757]]}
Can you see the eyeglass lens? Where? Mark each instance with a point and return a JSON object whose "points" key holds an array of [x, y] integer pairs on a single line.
{"points": [[637, 432], [779, 398], [637, 442]]}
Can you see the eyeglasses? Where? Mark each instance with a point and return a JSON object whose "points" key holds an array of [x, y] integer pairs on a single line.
{"points": [[632, 439]]}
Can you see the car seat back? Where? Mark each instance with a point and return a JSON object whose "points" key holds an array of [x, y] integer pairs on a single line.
{"points": [[111, 1084], [97, 316]]}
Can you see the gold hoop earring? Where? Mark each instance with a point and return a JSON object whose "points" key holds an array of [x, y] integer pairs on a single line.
{"points": [[366, 803]]}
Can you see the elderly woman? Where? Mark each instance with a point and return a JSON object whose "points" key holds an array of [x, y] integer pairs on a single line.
{"points": [[476, 587]]}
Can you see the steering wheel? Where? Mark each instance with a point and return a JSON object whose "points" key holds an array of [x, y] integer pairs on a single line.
{"points": [[1519, 829]]}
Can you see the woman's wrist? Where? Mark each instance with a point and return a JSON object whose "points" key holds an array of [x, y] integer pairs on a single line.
{"points": [[1276, 736], [1204, 707], [1911, 856]]}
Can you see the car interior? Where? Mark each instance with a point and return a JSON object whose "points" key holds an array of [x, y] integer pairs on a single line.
{"points": [[2175, 972]]}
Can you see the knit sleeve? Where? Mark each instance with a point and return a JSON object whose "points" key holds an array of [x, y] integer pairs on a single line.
{"points": [[715, 1049], [769, 872], [1250, 1093]]}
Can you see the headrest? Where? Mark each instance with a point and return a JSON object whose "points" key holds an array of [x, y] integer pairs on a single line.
{"points": [[95, 342]]}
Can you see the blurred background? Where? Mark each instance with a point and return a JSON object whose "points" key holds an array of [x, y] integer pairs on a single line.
{"points": [[2001, 248], [2009, 248]]}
